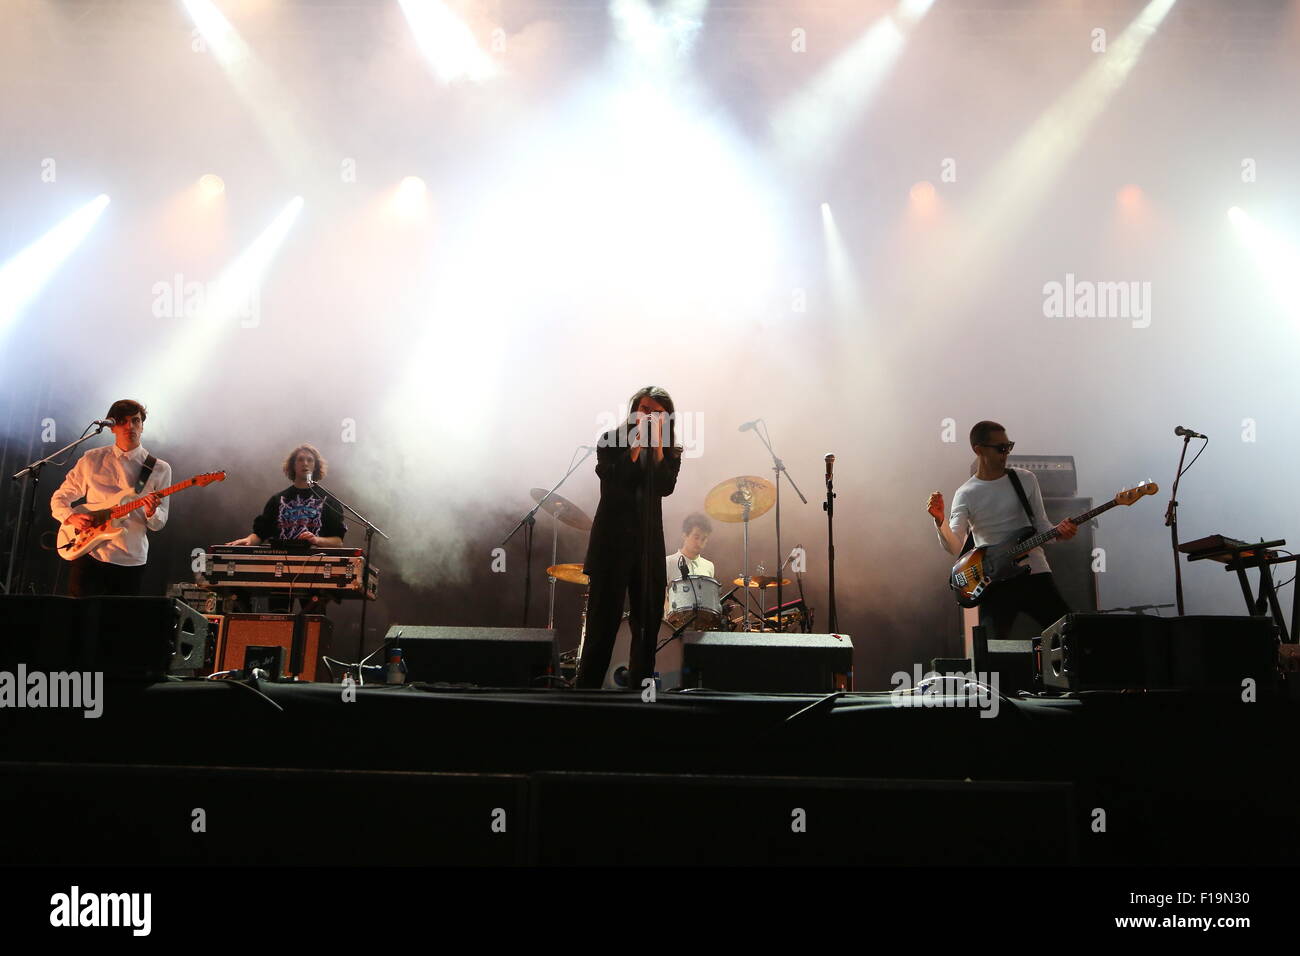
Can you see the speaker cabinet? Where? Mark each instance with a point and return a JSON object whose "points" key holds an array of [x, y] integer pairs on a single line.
{"points": [[1116, 651], [485, 656], [127, 638], [304, 638], [723, 660], [1071, 560]]}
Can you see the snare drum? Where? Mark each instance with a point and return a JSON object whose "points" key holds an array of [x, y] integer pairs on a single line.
{"points": [[695, 602]]}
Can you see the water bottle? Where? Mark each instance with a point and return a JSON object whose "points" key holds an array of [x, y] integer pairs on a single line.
{"points": [[395, 671]]}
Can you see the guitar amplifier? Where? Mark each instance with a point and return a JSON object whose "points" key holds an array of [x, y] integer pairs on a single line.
{"points": [[1055, 473], [304, 638], [216, 638], [1121, 651]]}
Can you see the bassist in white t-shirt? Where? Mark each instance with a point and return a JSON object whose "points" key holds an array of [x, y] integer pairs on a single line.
{"points": [[990, 508]]}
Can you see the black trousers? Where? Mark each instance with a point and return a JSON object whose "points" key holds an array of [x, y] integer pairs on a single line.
{"points": [[89, 577], [1035, 595], [605, 614]]}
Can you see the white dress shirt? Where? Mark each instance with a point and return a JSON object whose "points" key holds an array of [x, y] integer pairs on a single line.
{"points": [[103, 476], [700, 565]]}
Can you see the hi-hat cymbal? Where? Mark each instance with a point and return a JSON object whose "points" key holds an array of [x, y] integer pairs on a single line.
{"points": [[563, 509], [572, 573], [726, 500], [761, 581]]}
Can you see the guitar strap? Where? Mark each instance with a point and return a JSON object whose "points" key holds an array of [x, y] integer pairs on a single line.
{"points": [[1024, 500], [1020, 493], [145, 472]]}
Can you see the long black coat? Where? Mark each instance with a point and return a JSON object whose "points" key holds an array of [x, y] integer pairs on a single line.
{"points": [[616, 540]]}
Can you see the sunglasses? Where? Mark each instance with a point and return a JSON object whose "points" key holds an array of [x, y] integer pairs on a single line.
{"points": [[1003, 449]]}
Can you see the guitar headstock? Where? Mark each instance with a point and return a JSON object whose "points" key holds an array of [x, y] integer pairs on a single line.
{"points": [[1130, 495], [209, 478]]}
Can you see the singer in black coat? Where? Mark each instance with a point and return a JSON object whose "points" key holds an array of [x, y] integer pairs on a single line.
{"points": [[626, 547]]}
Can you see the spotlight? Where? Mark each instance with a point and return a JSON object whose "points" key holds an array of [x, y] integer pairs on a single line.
{"points": [[410, 196], [1130, 196], [211, 186]]}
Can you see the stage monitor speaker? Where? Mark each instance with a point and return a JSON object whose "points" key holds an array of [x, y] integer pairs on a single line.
{"points": [[154, 636], [125, 638], [759, 662], [484, 656], [304, 637], [1120, 651]]}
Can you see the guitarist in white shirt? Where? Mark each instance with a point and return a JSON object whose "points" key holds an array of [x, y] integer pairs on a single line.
{"points": [[102, 477], [988, 506]]}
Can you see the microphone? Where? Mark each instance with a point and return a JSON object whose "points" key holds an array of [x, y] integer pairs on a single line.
{"points": [[682, 566], [748, 425], [105, 423], [830, 466], [1180, 431]]}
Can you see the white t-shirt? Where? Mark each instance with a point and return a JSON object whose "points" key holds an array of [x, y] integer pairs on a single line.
{"points": [[992, 511], [700, 565]]}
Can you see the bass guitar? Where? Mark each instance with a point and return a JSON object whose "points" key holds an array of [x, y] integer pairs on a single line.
{"points": [[980, 568], [108, 522]]}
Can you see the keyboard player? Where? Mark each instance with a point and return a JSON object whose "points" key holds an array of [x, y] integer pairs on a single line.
{"points": [[299, 512]]}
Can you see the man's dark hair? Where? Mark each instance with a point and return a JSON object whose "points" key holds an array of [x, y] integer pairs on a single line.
{"points": [[982, 431], [124, 408], [697, 519]]}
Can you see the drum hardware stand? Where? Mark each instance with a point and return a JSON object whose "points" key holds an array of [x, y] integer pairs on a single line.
{"points": [[365, 565], [677, 633], [778, 466], [26, 516], [530, 519], [744, 497], [829, 507]]}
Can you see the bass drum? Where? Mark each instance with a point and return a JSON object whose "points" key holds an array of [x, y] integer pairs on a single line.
{"points": [[668, 662]]}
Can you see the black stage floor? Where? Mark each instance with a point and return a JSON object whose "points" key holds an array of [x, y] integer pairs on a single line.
{"points": [[219, 772]]}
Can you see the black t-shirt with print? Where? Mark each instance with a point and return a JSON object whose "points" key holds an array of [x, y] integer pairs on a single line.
{"points": [[295, 510]]}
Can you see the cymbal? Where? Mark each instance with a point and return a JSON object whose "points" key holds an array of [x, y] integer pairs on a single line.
{"points": [[572, 573], [564, 510], [726, 500], [761, 581]]}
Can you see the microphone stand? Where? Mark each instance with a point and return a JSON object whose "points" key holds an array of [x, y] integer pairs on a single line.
{"points": [[829, 507], [18, 549], [530, 519], [778, 466], [1171, 522], [365, 565]]}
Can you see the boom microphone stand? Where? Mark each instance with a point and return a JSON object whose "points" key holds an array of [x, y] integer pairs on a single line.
{"points": [[829, 507], [778, 466], [18, 550], [1171, 512], [529, 519], [365, 565]]}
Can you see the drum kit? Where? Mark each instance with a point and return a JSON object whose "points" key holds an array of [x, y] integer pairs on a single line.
{"points": [[696, 602]]}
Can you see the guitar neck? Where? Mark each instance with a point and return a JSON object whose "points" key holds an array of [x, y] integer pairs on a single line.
{"points": [[1045, 536], [121, 510]]}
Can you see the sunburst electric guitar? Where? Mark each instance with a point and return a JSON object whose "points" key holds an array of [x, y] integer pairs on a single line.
{"points": [[108, 521], [980, 568]]}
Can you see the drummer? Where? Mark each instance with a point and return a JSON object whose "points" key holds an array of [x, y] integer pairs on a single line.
{"points": [[695, 534]]}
